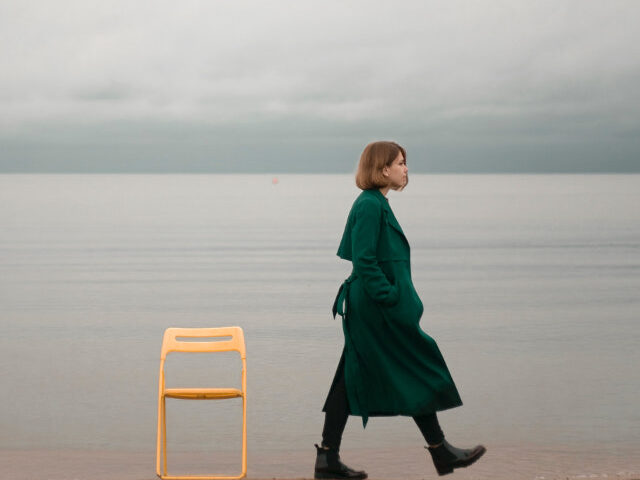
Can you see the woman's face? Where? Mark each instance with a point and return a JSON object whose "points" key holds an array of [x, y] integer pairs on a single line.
{"points": [[396, 173]]}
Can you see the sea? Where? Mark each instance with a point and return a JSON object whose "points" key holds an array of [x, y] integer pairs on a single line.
{"points": [[531, 287]]}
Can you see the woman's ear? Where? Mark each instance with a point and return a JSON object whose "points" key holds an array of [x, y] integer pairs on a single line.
{"points": [[385, 171]]}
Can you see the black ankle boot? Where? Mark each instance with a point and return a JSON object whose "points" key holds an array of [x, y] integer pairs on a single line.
{"points": [[446, 457], [328, 465]]}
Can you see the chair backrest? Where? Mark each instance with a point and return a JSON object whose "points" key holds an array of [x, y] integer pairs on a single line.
{"points": [[230, 339]]}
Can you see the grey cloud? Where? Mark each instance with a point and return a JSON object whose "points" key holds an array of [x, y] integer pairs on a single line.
{"points": [[467, 82]]}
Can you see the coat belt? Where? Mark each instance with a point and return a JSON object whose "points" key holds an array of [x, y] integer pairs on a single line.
{"points": [[340, 305]]}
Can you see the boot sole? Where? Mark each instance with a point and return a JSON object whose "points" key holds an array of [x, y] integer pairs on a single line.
{"points": [[445, 470], [332, 476]]}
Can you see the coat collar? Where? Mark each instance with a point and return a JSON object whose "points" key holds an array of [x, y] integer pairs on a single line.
{"points": [[384, 201], [379, 196]]}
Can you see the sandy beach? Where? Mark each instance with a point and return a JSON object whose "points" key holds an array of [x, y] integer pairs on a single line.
{"points": [[498, 463]]}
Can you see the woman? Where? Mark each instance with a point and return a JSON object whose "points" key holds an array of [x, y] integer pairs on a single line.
{"points": [[389, 366]]}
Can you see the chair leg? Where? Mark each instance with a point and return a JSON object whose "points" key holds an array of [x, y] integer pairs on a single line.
{"points": [[164, 433], [244, 435], [159, 437]]}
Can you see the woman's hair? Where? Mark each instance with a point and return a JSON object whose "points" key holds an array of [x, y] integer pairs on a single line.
{"points": [[374, 158]]}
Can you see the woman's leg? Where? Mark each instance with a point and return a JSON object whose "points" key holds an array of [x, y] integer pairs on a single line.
{"points": [[328, 464], [336, 415], [430, 428]]}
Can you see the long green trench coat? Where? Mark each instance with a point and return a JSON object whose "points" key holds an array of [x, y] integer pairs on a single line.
{"points": [[391, 366]]}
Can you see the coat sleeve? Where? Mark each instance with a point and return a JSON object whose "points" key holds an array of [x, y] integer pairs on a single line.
{"points": [[364, 239]]}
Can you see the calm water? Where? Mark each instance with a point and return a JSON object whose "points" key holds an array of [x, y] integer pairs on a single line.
{"points": [[530, 283]]}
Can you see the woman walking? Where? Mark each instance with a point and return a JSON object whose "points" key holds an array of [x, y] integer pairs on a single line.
{"points": [[389, 366]]}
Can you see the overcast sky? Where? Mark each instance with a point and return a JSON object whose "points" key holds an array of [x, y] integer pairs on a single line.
{"points": [[299, 86]]}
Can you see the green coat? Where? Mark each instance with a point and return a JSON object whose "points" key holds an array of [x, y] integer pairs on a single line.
{"points": [[391, 366]]}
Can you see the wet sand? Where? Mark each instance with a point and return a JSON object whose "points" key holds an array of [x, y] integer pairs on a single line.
{"points": [[499, 463]]}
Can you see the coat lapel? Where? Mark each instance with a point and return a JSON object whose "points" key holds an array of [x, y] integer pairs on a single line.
{"points": [[391, 218], [394, 223]]}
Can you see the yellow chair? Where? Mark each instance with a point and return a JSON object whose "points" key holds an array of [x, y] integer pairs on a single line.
{"points": [[172, 343]]}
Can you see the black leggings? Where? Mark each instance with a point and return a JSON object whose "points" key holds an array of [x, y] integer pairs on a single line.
{"points": [[337, 413]]}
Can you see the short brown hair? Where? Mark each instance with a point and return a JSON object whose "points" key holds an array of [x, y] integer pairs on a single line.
{"points": [[374, 158]]}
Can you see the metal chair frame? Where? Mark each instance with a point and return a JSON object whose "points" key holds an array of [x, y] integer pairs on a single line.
{"points": [[171, 343]]}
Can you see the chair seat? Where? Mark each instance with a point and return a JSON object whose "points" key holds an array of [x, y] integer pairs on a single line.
{"points": [[202, 393]]}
